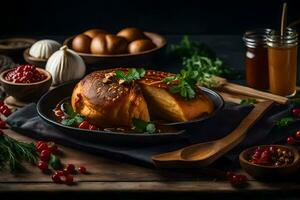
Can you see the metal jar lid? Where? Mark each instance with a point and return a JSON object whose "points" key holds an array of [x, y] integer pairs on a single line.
{"points": [[256, 37], [290, 38]]}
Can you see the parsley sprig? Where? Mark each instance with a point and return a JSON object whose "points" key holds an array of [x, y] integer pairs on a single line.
{"points": [[143, 126], [132, 74], [72, 117], [249, 101], [284, 122], [13, 152]]}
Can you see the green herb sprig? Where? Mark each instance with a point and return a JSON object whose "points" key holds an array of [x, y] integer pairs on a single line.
{"points": [[143, 126], [72, 117], [284, 122], [13, 152], [132, 74], [249, 101]]}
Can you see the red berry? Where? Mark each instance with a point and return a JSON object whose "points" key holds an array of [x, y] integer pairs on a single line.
{"points": [[297, 134], [45, 155], [290, 140], [52, 147], [93, 127], [1, 103], [69, 169], [56, 177], [296, 112], [2, 124], [82, 170], [60, 173], [41, 146], [238, 180], [69, 180], [43, 166], [84, 125], [6, 112], [38, 143]]}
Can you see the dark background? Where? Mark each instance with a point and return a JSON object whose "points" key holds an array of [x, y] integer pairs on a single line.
{"points": [[58, 17]]}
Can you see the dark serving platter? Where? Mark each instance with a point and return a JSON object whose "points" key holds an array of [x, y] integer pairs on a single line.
{"points": [[48, 102]]}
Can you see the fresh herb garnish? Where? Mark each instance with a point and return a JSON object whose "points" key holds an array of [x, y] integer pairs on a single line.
{"points": [[249, 101], [132, 74], [13, 152], [72, 117], [284, 122], [200, 64], [143, 126]]}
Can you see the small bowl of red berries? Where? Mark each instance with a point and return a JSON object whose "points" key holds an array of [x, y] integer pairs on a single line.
{"points": [[270, 161], [26, 83]]}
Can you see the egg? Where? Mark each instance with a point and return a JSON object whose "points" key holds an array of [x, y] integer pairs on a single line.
{"points": [[81, 43], [98, 45], [108, 44], [131, 34], [138, 46], [94, 32]]}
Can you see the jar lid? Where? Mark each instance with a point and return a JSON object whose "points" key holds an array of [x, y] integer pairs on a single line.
{"points": [[256, 37], [290, 38]]}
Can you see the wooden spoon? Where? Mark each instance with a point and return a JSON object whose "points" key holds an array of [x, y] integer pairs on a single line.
{"points": [[203, 154], [225, 86]]}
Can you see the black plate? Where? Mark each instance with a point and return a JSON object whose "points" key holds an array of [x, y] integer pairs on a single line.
{"points": [[48, 102]]}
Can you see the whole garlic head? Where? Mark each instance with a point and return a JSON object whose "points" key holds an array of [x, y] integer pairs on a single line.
{"points": [[65, 65], [44, 48]]}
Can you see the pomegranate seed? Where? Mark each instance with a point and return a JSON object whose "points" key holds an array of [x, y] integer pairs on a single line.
{"points": [[93, 127], [69, 180], [82, 170], [42, 146], [1, 103], [297, 134], [2, 108], [6, 112], [296, 112], [291, 140], [238, 180], [56, 177], [69, 169], [45, 155], [43, 166], [2, 124], [84, 125]]}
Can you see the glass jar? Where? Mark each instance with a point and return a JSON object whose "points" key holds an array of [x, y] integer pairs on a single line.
{"points": [[282, 54], [256, 58]]}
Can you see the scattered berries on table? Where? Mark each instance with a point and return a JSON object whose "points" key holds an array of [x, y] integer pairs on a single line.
{"points": [[45, 155], [237, 180], [82, 170], [43, 166], [70, 169]]}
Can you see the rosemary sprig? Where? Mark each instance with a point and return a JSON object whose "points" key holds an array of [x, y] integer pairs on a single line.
{"points": [[13, 152]]}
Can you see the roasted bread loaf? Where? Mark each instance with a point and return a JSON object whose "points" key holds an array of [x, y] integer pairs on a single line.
{"points": [[107, 101]]}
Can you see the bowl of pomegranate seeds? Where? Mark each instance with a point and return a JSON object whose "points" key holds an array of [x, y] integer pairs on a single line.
{"points": [[270, 161], [26, 82]]}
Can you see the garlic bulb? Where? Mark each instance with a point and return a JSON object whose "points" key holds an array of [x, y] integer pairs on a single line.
{"points": [[44, 48], [65, 65]]}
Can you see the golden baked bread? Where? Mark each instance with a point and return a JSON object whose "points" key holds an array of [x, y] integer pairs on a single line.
{"points": [[168, 106], [106, 103], [109, 102]]}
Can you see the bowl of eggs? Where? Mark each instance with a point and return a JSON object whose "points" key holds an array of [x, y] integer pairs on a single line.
{"points": [[130, 46]]}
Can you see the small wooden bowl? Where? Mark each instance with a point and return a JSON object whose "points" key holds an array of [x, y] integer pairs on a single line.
{"points": [[26, 92], [269, 172], [13, 46], [142, 59], [41, 62]]}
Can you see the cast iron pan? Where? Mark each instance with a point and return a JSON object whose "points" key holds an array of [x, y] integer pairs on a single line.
{"points": [[48, 102]]}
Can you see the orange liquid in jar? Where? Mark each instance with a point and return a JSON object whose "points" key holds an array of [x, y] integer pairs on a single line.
{"points": [[283, 70]]}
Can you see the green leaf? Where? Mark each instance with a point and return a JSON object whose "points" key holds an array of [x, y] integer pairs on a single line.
{"points": [[67, 108], [68, 122], [132, 74], [143, 126], [55, 162], [284, 122], [249, 101]]}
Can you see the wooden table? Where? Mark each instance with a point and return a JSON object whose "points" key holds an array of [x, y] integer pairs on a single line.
{"points": [[108, 177]]}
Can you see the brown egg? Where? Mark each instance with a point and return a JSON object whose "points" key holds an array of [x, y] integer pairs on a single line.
{"points": [[138, 46], [116, 44], [93, 32], [131, 34], [98, 45], [81, 43]]}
